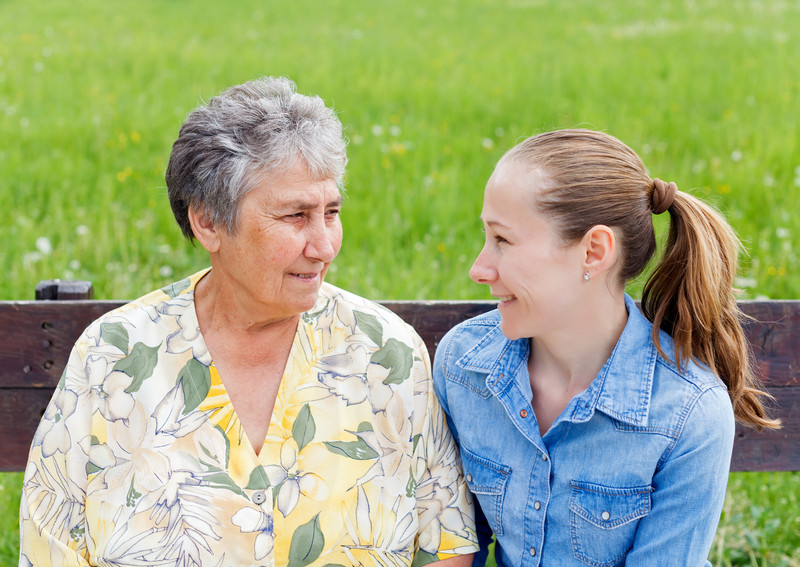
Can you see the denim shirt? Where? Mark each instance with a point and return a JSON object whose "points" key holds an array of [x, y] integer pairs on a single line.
{"points": [[633, 471]]}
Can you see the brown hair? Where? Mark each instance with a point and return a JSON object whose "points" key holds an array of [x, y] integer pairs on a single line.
{"points": [[596, 179]]}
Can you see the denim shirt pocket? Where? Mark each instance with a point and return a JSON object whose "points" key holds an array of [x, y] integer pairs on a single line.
{"points": [[603, 521], [487, 481]]}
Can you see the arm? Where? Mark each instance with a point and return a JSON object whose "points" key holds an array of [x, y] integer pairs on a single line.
{"points": [[52, 507], [460, 561], [689, 489], [482, 530], [444, 503]]}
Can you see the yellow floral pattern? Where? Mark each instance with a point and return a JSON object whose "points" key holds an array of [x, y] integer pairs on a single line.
{"points": [[140, 458]]}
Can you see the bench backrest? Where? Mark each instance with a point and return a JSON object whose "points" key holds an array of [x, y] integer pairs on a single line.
{"points": [[37, 337]]}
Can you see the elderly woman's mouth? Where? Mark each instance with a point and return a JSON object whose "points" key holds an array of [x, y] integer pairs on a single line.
{"points": [[307, 277]]}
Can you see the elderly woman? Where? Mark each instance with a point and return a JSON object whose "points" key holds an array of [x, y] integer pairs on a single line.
{"points": [[250, 414]]}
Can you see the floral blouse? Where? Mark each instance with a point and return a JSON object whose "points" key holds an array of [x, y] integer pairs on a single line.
{"points": [[140, 458]]}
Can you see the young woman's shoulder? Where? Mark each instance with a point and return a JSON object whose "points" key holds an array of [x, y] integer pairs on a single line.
{"points": [[689, 394], [469, 333]]}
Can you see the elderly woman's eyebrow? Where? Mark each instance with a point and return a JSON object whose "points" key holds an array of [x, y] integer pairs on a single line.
{"points": [[308, 205]]}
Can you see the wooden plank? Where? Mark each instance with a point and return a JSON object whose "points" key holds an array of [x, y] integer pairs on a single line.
{"points": [[432, 319], [774, 334], [771, 450], [38, 336], [20, 412], [60, 289]]}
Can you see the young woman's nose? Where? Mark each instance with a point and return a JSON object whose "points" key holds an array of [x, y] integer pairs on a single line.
{"points": [[482, 271]]}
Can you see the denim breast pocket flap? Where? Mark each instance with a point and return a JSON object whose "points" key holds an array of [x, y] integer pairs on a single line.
{"points": [[609, 507], [483, 476]]}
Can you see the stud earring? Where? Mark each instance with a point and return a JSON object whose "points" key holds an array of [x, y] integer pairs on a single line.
{"points": [[586, 277]]}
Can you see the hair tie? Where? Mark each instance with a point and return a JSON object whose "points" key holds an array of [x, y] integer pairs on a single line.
{"points": [[663, 196]]}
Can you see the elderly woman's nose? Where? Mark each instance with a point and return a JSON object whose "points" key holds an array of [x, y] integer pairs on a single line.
{"points": [[320, 243]]}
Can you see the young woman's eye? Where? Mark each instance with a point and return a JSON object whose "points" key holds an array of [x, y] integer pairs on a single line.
{"points": [[499, 239]]}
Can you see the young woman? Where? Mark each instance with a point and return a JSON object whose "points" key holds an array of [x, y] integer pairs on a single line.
{"points": [[592, 433]]}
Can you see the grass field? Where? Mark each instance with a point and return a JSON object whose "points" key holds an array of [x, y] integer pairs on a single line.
{"points": [[92, 95]]}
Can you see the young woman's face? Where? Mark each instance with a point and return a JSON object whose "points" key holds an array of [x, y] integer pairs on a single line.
{"points": [[523, 261]]}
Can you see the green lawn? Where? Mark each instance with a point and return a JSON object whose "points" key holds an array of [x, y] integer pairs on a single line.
{"points": [[92, 95]]}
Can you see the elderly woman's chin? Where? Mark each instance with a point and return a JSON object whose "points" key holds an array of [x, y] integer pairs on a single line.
{"points": [[305, 291]]}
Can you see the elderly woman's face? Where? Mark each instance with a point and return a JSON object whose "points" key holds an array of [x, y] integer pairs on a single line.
{"points": [[289, 232]]}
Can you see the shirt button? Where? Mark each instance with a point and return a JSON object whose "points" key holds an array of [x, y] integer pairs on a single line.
{"points": [[523, 414], [469, 478], [537, 505], [605, 515], [259, 497], [532, 551], [544, 457]]}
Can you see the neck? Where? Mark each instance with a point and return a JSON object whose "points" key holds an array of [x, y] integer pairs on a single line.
{"points": [[220, 310], [571, 355]]}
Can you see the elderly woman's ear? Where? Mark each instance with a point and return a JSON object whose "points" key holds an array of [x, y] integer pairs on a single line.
{"points": [[204, 230]]}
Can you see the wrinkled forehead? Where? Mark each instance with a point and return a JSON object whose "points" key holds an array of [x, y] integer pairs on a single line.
{"points": [[297, 176], [299, 190]]}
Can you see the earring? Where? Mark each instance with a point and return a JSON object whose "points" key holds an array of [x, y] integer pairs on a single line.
{"points": [[586, 277]]}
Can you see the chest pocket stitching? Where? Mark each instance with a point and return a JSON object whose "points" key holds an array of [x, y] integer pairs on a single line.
{"points": [[489, 479]]}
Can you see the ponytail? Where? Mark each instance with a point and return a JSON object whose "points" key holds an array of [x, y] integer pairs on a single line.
{"points": [[690, 296]]}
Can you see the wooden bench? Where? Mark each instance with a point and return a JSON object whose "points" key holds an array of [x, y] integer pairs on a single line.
{"points": [[37, 337]]}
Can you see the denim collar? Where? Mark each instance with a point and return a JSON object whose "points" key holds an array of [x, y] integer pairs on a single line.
{"points": [[621, 389]]}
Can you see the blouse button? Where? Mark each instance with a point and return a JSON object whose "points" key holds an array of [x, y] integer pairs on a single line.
{"points": [[532, 551], [259, 497], [523, 414], [469, 478], [537, 505], [544, 457], [605, 515]]}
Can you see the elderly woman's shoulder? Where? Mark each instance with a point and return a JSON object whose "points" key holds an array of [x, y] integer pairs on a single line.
{"points": [[152, 309], [364, 312]]}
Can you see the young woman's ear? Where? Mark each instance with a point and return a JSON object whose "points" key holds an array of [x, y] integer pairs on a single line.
{"points": [[600, 250], [204, 230]]}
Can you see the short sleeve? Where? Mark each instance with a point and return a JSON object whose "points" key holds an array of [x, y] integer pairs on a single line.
{"points": [[444, 503], [52, 507]]}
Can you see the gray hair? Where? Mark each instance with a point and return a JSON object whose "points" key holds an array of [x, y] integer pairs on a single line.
{"points": [[246, 134]]}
